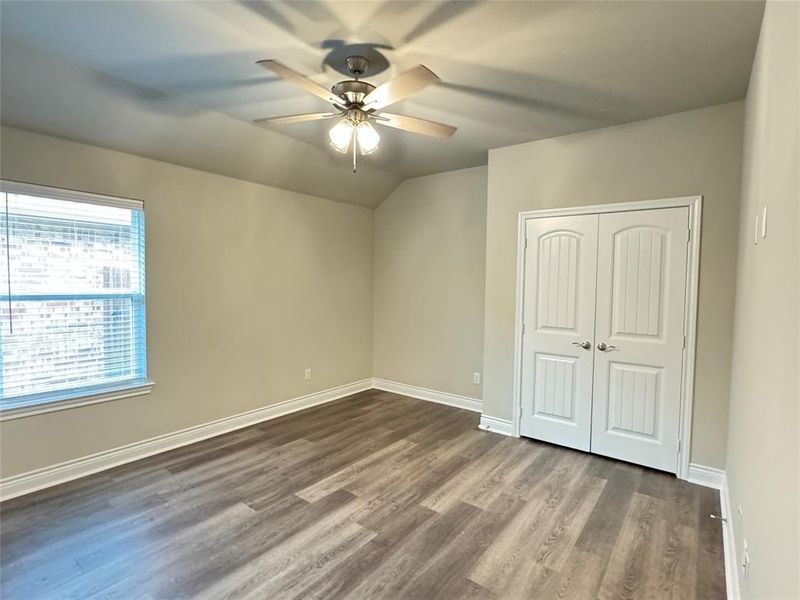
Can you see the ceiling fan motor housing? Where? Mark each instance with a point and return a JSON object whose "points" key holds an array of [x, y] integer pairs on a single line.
{"points": [[352, 90]]}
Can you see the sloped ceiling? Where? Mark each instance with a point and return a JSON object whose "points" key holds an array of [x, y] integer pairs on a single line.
{"points": [[177, 80]]}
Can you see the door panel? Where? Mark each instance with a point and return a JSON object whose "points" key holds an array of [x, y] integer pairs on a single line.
{"points": [[641, 280], [558, 312]]}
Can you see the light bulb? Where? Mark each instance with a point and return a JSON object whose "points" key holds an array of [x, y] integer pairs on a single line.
{"points": [[368, 138], [341, 134]]}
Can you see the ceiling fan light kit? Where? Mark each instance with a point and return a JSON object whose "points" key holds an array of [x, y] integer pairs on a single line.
{"points": [[354, 127], [340, 135], [368, 138], [358, 104]]}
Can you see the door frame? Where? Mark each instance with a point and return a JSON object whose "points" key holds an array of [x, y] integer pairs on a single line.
{"points": [[695, 206]]}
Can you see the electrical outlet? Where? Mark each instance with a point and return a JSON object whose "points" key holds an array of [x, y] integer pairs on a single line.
{"points": [[307, 375], [476, 378]]}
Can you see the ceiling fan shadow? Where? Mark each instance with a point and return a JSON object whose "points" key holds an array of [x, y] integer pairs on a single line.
{"points": [[514, 90], [522, 101], [267, 11], [172, 85], [313, 10], [340, 50], [153, 100], [444, 12], [307, 21], [191, 88]]}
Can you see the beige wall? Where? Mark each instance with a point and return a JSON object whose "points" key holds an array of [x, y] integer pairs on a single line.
{"points": [[301, 270], [763, 437], [429, 282], [246, 286], [691, 153]]}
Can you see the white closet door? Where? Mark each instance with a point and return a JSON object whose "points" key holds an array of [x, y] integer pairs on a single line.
{"points": [[559, 298], [641, 280]]}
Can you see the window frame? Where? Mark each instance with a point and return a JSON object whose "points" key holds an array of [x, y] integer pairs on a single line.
{"points": [[44, 402]]}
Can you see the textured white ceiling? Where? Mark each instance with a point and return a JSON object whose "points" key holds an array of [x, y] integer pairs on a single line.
{"points": [[177, 80]]}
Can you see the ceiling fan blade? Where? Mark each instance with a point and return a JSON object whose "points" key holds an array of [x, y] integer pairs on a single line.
{"points": [[415, 125], [288, 119], [304, 82], [401, 87]]}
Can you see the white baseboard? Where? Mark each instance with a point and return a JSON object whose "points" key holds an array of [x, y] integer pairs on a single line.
{"points": [[414, 391], [25, 483], [729, 544], [717, 479], [706, 476], [496, 425]]}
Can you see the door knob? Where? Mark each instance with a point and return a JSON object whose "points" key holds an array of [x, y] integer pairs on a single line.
{"points": [[603, 347], [585, 345]]}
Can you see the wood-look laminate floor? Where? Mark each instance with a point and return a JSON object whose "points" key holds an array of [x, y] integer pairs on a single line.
{"points": [[373, 496]]}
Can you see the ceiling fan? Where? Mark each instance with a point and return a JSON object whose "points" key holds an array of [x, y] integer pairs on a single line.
{"points": [[358, 104]]}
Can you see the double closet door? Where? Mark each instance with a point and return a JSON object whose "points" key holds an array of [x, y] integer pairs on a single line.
{"points": [[603, 336]]}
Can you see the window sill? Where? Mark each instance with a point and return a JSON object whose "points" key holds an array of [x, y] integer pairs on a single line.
{"points": [[65, 402]]}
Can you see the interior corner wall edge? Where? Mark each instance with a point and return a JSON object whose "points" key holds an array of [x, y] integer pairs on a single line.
{"points": [[430, 244], [247, 285], [763, 468], [698, 152]]}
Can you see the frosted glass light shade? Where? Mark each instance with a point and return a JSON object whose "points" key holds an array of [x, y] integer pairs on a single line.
{"points": [[341, 134], [368, 138]]}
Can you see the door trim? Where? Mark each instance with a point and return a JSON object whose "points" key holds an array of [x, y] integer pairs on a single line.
{"points": [[695, 206]]}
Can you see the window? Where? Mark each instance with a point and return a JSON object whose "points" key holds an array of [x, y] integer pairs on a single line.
{"points": [[72, 297]]}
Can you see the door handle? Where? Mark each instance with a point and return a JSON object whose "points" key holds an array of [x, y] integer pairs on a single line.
{"points": [[585, 345], [603, 347]]}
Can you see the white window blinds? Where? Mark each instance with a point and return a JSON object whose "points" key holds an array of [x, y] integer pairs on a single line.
{"points": [[72, 294]]}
